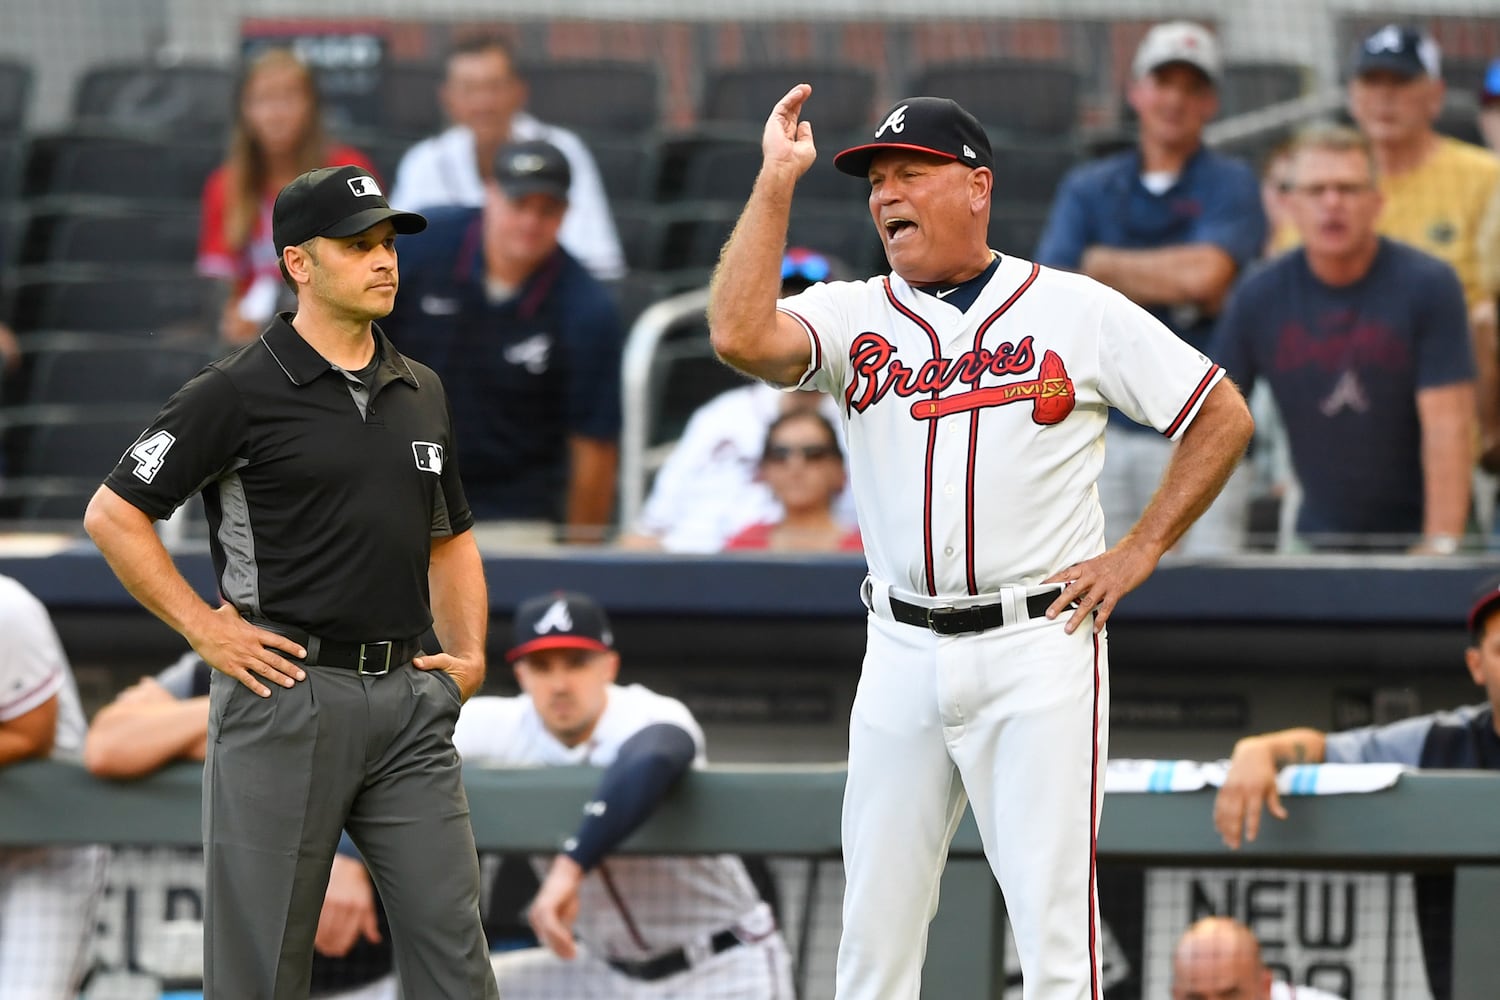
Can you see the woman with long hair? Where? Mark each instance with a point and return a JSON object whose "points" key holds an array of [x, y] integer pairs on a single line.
{"points": [[804, 466], [278, 134]]}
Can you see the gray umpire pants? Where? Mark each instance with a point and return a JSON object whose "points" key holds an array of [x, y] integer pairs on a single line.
{"points": [[284, 775]]}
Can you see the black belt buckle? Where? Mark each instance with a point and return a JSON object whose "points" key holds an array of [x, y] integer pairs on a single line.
{"points": [[953, 621], [373, 660]]}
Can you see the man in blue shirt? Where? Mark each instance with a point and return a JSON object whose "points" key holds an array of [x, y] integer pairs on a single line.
{"points": [[528, 345], [1170, 224], [1364, 343]]}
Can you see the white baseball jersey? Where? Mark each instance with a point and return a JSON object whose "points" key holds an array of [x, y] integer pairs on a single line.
{"points": [[629, 907], [1285, 991], [47, 895], [975, 437], [709, 489]]}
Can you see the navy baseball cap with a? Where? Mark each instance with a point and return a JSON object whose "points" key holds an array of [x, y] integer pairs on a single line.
{"points": [[536, 167], [334, 202], [563, 619], [935, 125], [1401, 49], [1486, 599]]}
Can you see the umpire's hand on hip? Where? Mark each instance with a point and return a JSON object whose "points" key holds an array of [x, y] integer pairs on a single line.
{"points": [[467, 671], [233, 646]]}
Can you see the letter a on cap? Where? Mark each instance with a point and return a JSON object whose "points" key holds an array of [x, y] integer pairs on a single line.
{"points": [[896, 122], [556, 619]]}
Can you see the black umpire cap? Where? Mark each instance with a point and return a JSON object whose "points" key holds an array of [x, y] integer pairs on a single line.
{"points": [[334, 201], [935, 125]]}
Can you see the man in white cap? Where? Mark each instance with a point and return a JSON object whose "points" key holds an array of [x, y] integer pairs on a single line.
{"points": [[1171, 224]]}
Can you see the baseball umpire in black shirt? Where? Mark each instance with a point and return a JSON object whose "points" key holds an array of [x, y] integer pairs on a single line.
{"points": [[339, 534]]}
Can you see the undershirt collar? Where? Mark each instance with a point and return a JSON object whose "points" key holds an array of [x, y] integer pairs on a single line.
{"points": [[964, 294]]}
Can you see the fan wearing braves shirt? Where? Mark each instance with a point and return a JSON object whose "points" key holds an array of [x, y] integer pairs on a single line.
{"points": [[339, 535], [646, 927], [47, 894], [975, 388]]}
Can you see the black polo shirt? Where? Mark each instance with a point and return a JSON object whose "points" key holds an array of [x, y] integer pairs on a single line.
{"points": [[321, 502]]}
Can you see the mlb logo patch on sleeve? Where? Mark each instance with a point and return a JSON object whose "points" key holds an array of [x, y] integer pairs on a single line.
{"points": [[429, 456]]}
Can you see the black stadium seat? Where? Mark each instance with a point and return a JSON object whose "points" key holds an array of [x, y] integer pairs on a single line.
{"points": [[1250, 85], [1016, 97], [184, 99], [1031, 171], [120, 167], [409, 102], [181, 305], [844, 95], [55, 464], [15, 96], [627, 165], [114, 237], [145, 373], [594, 96]]}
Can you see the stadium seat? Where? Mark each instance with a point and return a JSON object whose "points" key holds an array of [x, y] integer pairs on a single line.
{"points": [[693, 233], [1014, 97], [147, 305], [1016, 227], [15, 96], [844, 99], [639, 290], [12, 154], [1031, 171], [56, 461], [186, 99], [409, 102], [135, 372], [639, 227], [594, 96], [73, 164], [1247, 86], [627, 165], [114, 237], [842, 229]]}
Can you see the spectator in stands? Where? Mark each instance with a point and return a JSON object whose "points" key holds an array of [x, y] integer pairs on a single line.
{"points": [[1440, 194], [278, 134], [804, 466], [528, 346], [646, 926], [484, 94], [162, 719], [1275, 198], [1465, 738], [1218, 958], [1170, 224], [47, 894], [709, 490], [1364, 344]]}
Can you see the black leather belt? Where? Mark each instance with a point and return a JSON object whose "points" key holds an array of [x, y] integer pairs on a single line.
{"points": [[649, 970], [958, 621], [368, 658]]}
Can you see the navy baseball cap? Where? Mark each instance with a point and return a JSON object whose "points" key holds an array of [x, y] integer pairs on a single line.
{"points": [[1486, 598], [935, 125], [536, 167], [563, 619], [334, 201], [1489, 87], [1400, 49]]}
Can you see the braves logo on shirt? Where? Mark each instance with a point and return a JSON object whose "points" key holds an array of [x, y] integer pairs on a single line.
{"points": [[877, 372]]}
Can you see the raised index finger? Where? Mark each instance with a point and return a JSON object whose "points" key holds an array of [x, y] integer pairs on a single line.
{"points": [[789, 106]]}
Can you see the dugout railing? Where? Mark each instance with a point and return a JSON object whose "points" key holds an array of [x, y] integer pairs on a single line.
{"points": [[1434, 820]]}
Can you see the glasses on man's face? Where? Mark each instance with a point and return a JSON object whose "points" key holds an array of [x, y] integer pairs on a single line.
{"points": [[1344, 189], [780, 453]]}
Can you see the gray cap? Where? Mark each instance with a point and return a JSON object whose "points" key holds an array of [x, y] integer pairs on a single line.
{"points": [[1179, 42]]}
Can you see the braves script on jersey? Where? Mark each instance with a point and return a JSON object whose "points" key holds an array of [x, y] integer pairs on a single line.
{"points": [[629, 907], [975, 439], [975, 436]]}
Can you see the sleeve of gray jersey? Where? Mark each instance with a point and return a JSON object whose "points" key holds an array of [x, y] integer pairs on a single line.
{"points": [[1396, 743], [178, 678]]}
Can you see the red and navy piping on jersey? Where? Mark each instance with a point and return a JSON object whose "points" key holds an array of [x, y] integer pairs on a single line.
{"points": [[937, 351], [1192, 401]]}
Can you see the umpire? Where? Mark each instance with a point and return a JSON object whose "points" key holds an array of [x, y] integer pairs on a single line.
{"points": [[339, 533]]}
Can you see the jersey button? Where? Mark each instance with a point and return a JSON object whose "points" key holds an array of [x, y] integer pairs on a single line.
{"points": [[947, 489], [948, 551]]}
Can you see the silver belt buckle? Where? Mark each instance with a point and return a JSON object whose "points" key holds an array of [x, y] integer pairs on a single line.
{"points": [[370, 656], [937, 611], [697, 952]]}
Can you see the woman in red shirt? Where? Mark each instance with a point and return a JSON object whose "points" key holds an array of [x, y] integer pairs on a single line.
{"points": [[278, 134], [804, 467]]}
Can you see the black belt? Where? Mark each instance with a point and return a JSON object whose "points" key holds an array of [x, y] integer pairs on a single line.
{"points": [[649, 970], [958, 621], [369, 658]]}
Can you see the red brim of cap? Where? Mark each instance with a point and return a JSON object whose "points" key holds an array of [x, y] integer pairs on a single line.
{"points": [[1481, 606], [855, 160], [555, 642]]}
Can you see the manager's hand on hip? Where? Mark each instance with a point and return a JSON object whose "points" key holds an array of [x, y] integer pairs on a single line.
{"points": [[467, 673], [787, 144], [233, 646]]}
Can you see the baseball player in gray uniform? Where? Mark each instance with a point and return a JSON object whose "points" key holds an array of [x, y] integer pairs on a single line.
{"points": [[47, 894], [974, 388]]}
